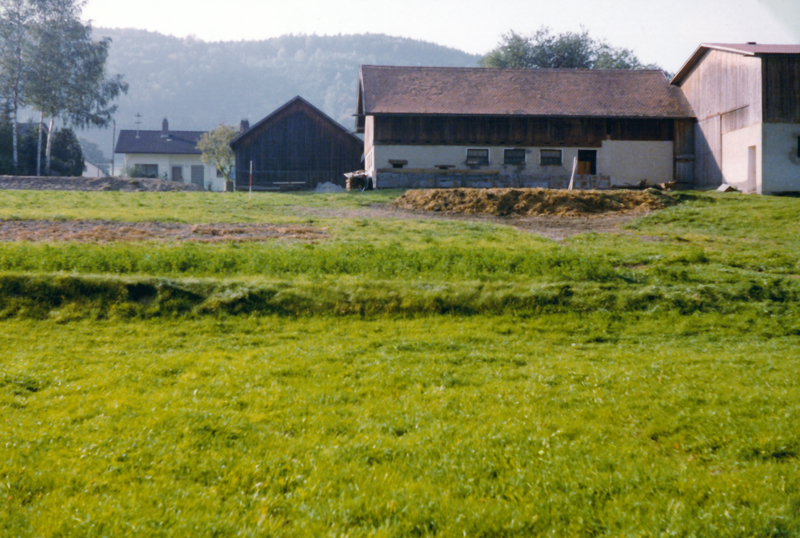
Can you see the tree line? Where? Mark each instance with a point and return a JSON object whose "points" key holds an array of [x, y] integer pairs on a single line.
{"points": [[50, 62]]}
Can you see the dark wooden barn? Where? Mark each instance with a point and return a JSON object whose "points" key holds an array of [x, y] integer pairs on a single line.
{"points": [[296, 147]]}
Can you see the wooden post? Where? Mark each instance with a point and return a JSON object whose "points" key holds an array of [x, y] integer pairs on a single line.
{"points": [[250, 200], [574, 167]]}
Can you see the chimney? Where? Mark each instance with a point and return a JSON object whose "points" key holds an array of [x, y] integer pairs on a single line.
{"points": [[752, 43], [244, 126], [165, 128]]}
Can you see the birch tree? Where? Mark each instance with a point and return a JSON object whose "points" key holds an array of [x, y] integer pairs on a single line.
{"points": [[66, 75], [15, 18], [216, 148]]}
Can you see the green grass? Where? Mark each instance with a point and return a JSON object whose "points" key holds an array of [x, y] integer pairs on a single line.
{"points": [[401, 378], [645, 425]]}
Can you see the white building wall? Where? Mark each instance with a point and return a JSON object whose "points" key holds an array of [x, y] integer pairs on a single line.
{"points": [[737, 170], [624, 162], [166, 162], [781, 165]]}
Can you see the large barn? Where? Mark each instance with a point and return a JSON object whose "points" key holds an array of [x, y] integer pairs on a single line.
{"points": [[450, 127], [747, 101], [296, 147]]}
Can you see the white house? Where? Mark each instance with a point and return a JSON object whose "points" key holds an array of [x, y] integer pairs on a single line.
{"points": [[165, 154]]}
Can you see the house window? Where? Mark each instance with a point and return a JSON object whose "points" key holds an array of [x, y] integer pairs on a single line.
{"points": [[145, 170], [219, 172], [514, 156], [550, 157], [477, 157]]}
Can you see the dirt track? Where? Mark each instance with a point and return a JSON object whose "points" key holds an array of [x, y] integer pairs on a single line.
{"points": [[99, 231]]}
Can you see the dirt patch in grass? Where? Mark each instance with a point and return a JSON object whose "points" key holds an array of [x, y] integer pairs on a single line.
{"points": [[532, 202], [99, 231]]}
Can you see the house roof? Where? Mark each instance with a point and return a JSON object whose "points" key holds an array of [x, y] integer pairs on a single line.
{"points": [[520, 92], [745, 49], [296, 101], [176, 143]]}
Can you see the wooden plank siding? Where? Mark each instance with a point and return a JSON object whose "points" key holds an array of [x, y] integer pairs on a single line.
{"points": [[684, 151], [724, 82], [516, 131], [781, 82], [297, 148]]}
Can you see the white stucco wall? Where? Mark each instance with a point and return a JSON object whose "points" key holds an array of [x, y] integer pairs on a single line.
{"points": [[781, 166], [736, 158], [166, 162], [623, 162], [629, 162]]}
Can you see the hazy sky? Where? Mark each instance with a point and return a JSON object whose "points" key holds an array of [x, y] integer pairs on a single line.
{"points": [[663, 32]]}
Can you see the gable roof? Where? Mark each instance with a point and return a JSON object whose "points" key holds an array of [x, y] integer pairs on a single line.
{"points": [[745, 49], [294, 102], [177, 143], [519, 92]]}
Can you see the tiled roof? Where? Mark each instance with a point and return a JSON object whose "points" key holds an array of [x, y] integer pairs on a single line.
{"points": [[526, 92], [746, 49], [177, 143]]}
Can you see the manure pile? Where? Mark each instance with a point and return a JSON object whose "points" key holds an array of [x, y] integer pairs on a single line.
{"points": [[532, 202]]}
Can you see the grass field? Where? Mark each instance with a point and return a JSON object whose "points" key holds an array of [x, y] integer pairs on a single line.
{"points": [[403, 377]]}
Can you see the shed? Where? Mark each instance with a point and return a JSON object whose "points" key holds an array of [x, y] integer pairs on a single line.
{"points": [[296, 147], [747, 101]]}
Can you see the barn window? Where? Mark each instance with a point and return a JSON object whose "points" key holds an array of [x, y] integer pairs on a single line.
{"points": [[550, 157], [145, 170], [477, 157], [514, 156]]}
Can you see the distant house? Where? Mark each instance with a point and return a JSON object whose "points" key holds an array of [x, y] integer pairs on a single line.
{"points": [[448, 127], [296, 147], [747, 101], [166, 154]]}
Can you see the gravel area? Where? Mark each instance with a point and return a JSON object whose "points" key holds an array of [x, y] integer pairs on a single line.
{"points": [[92, 184]]}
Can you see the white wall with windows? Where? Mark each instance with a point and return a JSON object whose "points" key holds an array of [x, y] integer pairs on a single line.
{"points": [[625, 163], [184, 168]]}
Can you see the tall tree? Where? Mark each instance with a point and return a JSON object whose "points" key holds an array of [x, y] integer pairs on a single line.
{"points": [[67, 78], [569, 50], [15, 18]]}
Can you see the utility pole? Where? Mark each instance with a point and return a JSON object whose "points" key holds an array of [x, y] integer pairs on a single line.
{"points": [[113, 136]]}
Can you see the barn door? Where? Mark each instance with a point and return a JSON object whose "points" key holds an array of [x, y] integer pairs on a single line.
{"points": [[587, 162]]}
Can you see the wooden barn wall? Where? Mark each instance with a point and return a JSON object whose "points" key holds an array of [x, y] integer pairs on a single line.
{"points": [[708, 153], [781, 89], [724, 83], [684, 149], [516, 131], [297, 150]]}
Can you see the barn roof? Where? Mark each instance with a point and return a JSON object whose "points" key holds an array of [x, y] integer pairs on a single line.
{"points": [[175, 143], [299, 102], [519, 92], [745, 49]]}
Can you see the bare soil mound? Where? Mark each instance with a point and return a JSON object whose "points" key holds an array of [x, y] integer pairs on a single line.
{"points": [[532, 202], [98, 231]]}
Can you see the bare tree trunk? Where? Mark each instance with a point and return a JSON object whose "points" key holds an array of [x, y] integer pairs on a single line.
{"points": [[50, 133], [39, 146]]}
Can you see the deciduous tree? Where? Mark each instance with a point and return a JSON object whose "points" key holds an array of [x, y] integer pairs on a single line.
{"points": [[216, 148], [569, 50]]}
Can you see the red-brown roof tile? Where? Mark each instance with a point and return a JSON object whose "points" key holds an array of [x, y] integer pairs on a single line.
{"points": [[525, 92]]}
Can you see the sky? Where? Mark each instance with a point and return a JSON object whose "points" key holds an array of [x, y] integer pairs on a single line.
{"points": [[661, 32]]}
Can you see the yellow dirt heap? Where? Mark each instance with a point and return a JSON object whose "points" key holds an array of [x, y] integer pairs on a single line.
{"points": [[531, 202]]}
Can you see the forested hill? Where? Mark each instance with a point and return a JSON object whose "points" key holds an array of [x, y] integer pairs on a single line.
{"points": [[198, 84]]}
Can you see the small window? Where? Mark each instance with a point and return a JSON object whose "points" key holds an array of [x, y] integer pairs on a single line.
{"points": [[514, 156], [398, 163], [145, 170], [219, 172], [550, 157], [477, 157]]}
